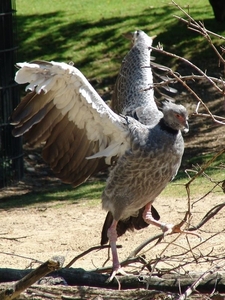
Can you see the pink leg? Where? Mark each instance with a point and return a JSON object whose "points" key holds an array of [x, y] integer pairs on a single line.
{"points": [[166, 228], [112, 235], [148, 218]]}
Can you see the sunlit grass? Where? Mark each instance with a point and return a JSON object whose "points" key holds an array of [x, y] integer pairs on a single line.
{"points": [[90, 33]]}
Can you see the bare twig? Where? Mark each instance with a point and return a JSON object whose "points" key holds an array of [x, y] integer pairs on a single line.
{"points": [[21, 256], [16, 239], [199, 27], [86, 252], [195, 284], [179, 79]]}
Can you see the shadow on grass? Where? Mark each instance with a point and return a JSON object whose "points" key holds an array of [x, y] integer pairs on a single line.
{"points": [[86, 192], [62, 40]]}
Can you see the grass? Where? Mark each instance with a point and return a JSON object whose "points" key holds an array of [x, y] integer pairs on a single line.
{"points": [[88, 194], [90, 33]]}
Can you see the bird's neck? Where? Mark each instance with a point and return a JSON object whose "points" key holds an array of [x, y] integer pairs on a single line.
{"points": [[166, 127]]}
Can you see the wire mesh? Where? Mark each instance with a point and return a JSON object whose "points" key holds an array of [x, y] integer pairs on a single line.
{"points": [[11, 156]]}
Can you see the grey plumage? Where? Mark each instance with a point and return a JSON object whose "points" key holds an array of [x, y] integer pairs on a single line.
{"points": [[146, 168], [134, 96]]}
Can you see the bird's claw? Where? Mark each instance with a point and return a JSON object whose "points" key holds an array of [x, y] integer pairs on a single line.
{"points": [[170, 228], [116, 271], [167, 228]]}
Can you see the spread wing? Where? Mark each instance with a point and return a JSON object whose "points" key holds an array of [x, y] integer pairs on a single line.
{"points": [[80, 132], [133, 92]]}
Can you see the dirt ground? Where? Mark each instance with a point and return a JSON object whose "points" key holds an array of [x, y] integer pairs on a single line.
{"points": [[42, 231]]}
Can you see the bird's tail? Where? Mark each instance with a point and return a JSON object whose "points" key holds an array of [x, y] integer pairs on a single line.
{"points": [[131, 223]]}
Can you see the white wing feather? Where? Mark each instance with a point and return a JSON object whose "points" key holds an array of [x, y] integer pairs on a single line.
{"points": [[74, 95]]}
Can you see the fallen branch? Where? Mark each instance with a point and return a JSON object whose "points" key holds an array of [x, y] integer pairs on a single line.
{"points": [[170, 283], [30, 278]]}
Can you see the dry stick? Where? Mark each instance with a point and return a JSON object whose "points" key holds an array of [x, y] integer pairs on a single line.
{"points": [[200, 28], [124, 263], [159, 237], [158, 260], [210, 79], [21, 256], [13, 238], [192, 77], [206, 194], [28, 280], [194, 285], [187, 87], [210, 214], [183, 79], [86, 252], [205, 166]]}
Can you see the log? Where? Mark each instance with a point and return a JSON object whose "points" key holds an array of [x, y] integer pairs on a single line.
{"points": [[28, 279], [87, 293], [169, 283]]}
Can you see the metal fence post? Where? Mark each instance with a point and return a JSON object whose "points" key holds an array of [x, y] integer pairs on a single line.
{"points": [[11, 155]]}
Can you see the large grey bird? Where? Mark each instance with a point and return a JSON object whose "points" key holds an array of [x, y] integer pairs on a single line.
{"points": [[83, 135], [133, 96]]}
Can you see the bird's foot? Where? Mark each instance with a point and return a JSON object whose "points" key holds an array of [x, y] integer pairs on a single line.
{"points": [[166, 228], [115, 271], [170, 228]]}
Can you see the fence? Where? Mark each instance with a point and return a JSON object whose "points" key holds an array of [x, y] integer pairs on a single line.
{"points": [[11, 157]]}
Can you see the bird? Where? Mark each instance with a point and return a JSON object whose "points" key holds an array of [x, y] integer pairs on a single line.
{"points": [[82, 135], [133, 95]]}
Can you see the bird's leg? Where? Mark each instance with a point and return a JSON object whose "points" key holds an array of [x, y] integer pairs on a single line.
{"points": [[148, 218], [166, 228], [112, 235]]}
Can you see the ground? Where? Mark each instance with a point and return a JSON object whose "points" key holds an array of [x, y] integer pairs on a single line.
{"points": [[42, 231]]}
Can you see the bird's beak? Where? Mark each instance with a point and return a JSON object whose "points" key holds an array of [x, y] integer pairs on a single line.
{"points": [[186, 127]]}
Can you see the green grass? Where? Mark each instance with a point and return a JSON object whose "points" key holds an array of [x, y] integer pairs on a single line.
{"points": [[90, 33], [88, 194]]}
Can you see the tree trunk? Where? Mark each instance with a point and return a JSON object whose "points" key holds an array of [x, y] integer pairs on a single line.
{"points": [[218, 9]]}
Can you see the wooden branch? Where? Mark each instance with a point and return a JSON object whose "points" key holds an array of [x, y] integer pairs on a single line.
{"points": [[29, 279], [86, 292], [169, 283], [199, 27], [86, 252]]}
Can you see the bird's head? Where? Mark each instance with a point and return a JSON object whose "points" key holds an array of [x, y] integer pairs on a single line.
{"points": [[139, 37], [175, 116]]}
